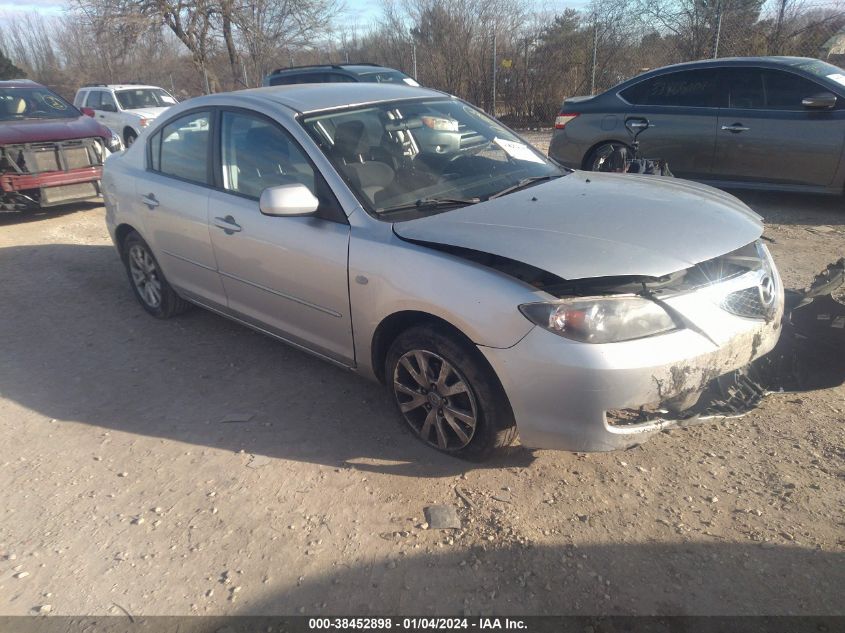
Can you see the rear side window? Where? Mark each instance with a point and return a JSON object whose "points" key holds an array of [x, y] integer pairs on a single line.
{"points": [[79, 100], [180, 148], [690, 88]]}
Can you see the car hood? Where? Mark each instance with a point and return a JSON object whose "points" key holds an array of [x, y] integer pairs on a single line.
{"points": [[588, 225], [44, 130], [148, 113]]}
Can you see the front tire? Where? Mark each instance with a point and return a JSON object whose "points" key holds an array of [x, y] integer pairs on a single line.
{"points": [[447, 394], [148, 283]]}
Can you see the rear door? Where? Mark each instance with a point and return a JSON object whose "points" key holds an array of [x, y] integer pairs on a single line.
{"points": [[682, 108], [173, 201], [765, 134]]}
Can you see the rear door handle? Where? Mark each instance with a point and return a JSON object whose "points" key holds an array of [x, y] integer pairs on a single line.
{"points": [[150, 201], [735, 127], [228, 224]]}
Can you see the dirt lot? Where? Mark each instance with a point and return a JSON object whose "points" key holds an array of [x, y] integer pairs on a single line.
{"points": [[124, 490]]}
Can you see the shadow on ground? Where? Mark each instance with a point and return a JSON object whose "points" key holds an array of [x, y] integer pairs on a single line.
{"points": [[77, 347], [628, 579], [794, 208], [24, 217]]}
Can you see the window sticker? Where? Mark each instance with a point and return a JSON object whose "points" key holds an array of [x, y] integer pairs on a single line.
{"points": [[838, 78], [410, 82], [54, 102], [519, 151]]}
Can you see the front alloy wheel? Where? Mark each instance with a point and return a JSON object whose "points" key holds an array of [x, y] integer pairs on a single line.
{"points": [[435, 400]]}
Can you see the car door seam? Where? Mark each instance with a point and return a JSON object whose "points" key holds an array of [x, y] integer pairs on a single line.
{"points": [[283, 295]]}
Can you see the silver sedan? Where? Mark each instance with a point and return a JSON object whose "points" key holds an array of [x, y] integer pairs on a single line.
{"points": [[404, 234]]}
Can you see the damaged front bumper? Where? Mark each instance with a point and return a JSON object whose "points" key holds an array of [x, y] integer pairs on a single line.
{"points": [[586, 397]]}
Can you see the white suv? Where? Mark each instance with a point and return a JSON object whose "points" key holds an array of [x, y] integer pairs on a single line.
{"points": [[124, 108]]}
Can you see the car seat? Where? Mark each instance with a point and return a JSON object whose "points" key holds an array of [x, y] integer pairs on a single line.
{"points": [[351, 148]]}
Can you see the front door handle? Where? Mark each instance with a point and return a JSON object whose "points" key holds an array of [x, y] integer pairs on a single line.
{"points": [[150, 201], [228, 224], [735, 127]]}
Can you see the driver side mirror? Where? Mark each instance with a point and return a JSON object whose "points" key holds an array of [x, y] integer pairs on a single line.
{"points": [[820, 101], [108, 107], [288, 200]]}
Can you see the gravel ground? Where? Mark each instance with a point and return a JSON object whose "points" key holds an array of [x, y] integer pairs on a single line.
{"points": [[125, 490]]}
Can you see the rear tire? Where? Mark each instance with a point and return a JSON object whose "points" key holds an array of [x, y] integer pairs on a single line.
{"points": [[448, 394], [597, 157], [129, 137], [147, 281]]}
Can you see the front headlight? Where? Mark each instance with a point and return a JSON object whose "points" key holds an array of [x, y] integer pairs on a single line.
{"points": [[600, 319], [114, 143]]}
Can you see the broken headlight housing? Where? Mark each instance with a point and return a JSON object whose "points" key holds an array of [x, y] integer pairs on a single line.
{"points": [[609, 319]]}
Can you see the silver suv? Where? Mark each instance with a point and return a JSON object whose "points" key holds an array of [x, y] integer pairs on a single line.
{"points": [[126, 109], [415, 240]]}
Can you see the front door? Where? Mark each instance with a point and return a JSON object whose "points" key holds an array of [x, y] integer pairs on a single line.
{"points": [[765, 134], [287, 275]]}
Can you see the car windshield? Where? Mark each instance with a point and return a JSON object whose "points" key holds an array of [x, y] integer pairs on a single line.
{"points": [[388, 77], [410, 158], [34, 103], [822, 69], [144, 98]]}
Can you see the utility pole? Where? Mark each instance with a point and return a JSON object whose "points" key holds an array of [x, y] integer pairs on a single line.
{"points": [[718, 29], [414, 54], [595, 52], [493, 112]]}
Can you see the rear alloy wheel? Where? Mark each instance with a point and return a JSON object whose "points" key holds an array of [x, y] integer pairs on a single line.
{"points": [[600, 154], [148, 283], [448, 394]]}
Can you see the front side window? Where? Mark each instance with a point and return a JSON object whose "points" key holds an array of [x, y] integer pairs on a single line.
{"points": [[136, 98], [35, 102], [414, 157], [180, 148], [93, 100], [107, 102], [690, 88], [785, 91], [258, 154]]}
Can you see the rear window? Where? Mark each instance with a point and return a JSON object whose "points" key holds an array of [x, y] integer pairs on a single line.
{"points": [[689, 88]]}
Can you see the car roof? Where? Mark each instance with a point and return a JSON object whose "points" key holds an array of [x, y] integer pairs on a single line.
{"points": [[18, 83], [358, 69], [116, 86], [305, 98], [770, 61]]}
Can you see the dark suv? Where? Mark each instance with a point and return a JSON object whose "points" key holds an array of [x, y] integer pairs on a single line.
{"points": [[338, 73], [761, 122]]}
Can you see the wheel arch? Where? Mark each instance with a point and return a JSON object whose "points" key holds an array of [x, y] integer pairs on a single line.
{"points": [[589, 153], [120, 234], [394, 324], [128, 129]]}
